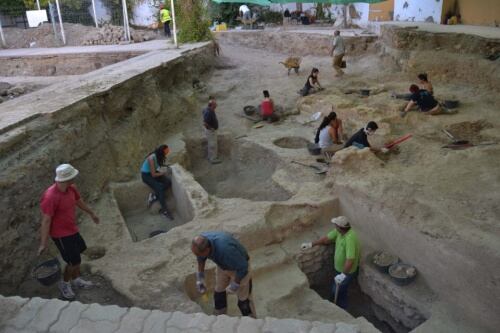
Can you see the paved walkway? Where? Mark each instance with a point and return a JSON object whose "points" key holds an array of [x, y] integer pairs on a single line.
{"points": [[158, 44], [44, 315]]}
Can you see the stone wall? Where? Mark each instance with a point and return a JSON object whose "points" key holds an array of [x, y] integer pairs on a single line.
{"points": [[60, 64], [416, 51], [100, 122], [296, 43], [42, 315]]}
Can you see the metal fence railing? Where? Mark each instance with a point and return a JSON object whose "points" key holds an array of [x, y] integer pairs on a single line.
{"points": [[69, 21]]}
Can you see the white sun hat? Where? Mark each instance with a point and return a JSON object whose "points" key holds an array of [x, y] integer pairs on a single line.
{"points": [[341, 221], [65, 172]]}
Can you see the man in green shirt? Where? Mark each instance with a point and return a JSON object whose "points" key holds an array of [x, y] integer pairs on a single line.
{"points": [[165, 19], [346, 257]]}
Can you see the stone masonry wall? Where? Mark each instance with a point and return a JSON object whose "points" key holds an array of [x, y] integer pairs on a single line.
{"points": [[43, 315]]}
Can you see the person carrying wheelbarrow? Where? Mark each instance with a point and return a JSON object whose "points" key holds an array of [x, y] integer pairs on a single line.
{"points": [[59, 222], [346, 257]]}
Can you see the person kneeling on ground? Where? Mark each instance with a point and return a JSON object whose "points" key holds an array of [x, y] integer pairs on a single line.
{"points": [[360, 138], [157, 180], [425, 101], [312, 83], [59, 222], [267, 108], [346, 258], [232, 274], [424, 84], [329, 134]]}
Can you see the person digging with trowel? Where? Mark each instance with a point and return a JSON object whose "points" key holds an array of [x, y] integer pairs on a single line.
{"points": [[425, 102], [232, 274], [346, 258], [360, 138]]}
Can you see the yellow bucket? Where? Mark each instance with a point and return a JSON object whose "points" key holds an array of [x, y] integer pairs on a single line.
{"points": [[221, 27]]}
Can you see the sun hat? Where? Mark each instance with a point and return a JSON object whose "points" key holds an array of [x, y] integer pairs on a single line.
{"points": [[341, 221], [65, 172]]}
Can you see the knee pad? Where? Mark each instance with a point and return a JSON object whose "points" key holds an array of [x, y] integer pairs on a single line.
{"points": [[245, 308], [220, 300]]}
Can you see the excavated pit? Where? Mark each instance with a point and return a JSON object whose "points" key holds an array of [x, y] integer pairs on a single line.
{"points": [[360, 303], [291, 142], [61, 64], [278, 279], [143, 222], [245, 172]]}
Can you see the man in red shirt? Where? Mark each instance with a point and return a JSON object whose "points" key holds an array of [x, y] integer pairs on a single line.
{"points": [[59, 221], [267, 108]]}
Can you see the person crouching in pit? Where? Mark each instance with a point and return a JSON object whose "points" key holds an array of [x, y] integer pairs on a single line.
{"points": [[232, 274], [59, 222]]}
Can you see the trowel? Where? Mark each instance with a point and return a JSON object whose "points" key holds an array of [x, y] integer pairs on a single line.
{"points": [[319, 170]]}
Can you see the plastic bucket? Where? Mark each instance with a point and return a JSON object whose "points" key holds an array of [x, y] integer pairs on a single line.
{"points": [[401, 280], [47, 272], [383, 267]]}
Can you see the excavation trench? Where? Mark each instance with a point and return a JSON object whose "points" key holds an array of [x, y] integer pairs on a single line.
{"points": [[145, 222], [286, 279], [246, 171], [61, 64]]}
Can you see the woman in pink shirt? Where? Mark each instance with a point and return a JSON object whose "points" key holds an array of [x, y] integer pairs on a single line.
{"points": [[267, 108]]}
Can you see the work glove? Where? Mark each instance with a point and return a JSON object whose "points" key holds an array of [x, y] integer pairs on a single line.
{"points": [[232, 288], [384, 150], [306, 246], [200, 282], [339, 278]]}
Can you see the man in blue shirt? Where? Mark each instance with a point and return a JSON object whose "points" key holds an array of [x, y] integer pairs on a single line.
{"points": [[232, 274], [211, 125]]}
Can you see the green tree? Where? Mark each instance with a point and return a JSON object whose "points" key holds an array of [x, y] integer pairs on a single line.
{"points": [[193, 21]]}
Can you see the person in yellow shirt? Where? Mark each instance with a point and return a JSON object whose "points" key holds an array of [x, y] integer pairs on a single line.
{"points": [[165, 20], [346, 258]]}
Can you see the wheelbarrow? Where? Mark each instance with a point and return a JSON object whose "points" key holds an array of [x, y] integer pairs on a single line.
{"points": [[292, 63]]}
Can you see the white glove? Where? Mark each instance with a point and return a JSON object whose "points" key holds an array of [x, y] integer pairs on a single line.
{"points": [[200, 283], [340, 278], [306, 246], [384, 150]]}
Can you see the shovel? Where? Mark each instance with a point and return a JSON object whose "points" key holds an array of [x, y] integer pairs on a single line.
{"points": [[337, 287], [455, 141], [255, 120], [319, 171]]}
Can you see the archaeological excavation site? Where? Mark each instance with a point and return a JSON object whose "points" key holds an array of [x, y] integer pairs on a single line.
{"points": [[420, 203]]}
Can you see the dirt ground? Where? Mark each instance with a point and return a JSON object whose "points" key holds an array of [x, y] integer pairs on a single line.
{"points": [[428, 195], [43, 36]]}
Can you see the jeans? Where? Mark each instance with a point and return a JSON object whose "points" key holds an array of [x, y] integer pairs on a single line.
{"points": [[343, 287], [166, 28], [211, 143], [159, 185]]}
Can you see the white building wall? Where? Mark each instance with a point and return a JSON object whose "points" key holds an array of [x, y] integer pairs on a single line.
{"points": [[418, 10], [362, 8]]}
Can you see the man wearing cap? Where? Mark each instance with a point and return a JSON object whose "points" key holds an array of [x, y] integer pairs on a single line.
{"points": [[59, 222], [346, 257], [232, 274]]}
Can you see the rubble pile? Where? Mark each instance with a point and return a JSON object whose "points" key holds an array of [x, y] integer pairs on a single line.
{"points": [[110, 34]]}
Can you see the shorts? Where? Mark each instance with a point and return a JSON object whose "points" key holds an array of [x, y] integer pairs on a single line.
{"points": [[337, 60], [70, 248]]}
